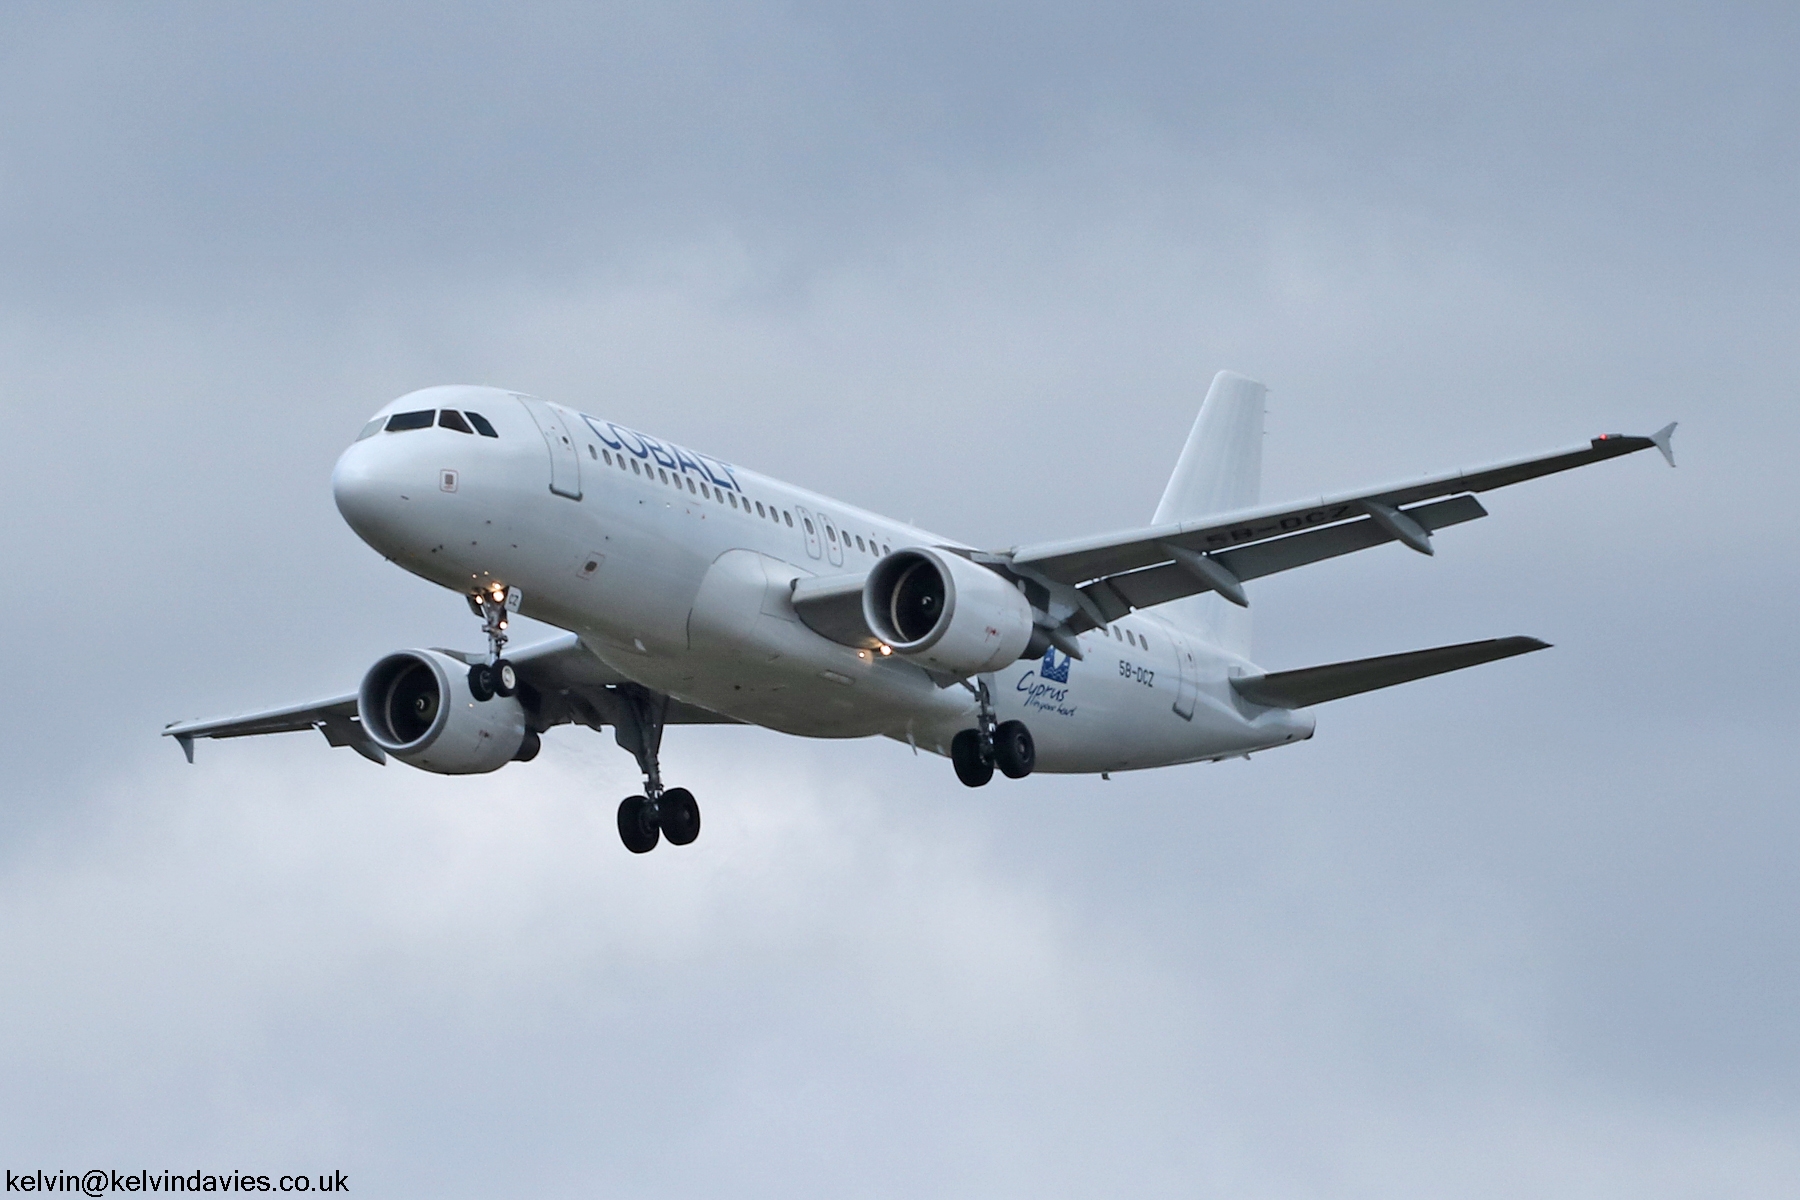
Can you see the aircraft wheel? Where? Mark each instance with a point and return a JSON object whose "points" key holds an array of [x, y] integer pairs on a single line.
{"points": [[637, 825], [1014, 751], [973, 767], [506, 679], [680, 816], [481, 681]]}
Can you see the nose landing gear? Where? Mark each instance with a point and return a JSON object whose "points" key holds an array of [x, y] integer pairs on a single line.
{"points": [[496, 677], [670, 813]]}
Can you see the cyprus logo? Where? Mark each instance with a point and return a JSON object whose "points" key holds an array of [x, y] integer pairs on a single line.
{"points": [[1053, 671]]}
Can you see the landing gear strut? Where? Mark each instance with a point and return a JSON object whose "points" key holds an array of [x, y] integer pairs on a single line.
{"points": [[1008, 745], [659, 813], [496, 676]]}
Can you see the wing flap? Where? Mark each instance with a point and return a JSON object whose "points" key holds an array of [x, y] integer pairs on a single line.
{"points": [[1334, 681]]}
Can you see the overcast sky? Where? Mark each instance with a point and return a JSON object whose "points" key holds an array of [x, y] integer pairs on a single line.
{"points": [[1527, 930]]}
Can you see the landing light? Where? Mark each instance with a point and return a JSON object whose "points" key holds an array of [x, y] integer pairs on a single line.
{"points": [[886, 650]]}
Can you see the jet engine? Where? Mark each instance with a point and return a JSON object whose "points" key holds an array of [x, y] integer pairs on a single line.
{"points": [[416, 705], [945, 612]]}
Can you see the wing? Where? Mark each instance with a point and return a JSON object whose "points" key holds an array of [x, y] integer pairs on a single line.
{"points": [[561, 682], [335, 718], [1095, 581]]}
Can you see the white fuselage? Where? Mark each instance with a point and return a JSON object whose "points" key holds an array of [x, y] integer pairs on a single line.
{"points": [[675, 569]]}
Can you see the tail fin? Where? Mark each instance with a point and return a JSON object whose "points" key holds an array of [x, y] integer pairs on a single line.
{"points": [[1220, 469]]}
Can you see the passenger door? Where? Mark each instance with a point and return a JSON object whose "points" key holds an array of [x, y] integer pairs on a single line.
{"points": [[565, 463]]}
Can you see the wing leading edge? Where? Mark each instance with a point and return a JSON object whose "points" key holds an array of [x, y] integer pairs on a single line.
{"points": [[1100, 579]]}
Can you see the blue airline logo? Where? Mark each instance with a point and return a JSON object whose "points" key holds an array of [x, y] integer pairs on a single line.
{"points": [[1046, 689], [665, 454]]}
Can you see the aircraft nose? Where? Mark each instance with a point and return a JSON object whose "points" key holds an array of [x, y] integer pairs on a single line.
{"points": [[367, 497]]}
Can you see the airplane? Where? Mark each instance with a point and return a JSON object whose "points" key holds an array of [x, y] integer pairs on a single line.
{"points": [[695, 591]]}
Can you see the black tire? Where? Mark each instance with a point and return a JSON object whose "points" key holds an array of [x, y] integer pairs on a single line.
{"points": [[481, 681], [506, 678], [528, 749], [1014, 751], [972, 766], [637, 825], [680, 816]]}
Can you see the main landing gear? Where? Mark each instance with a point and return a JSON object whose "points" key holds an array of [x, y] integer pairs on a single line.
{"points": [[1007, 745], [659, 813], [495, 677]]}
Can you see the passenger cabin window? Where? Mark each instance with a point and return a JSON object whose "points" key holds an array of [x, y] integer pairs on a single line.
{"points": [[788, 517], [606, 456], [807, 521], [449, 418], [634, 467], [859, 541], [410, 420], [759, 507], [481, 424], [593, 453], [372, 428]]}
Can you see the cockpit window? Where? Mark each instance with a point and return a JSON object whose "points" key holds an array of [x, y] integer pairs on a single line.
{"points": [[481, 424], [410, 420], [449, 418], [372, 428]]}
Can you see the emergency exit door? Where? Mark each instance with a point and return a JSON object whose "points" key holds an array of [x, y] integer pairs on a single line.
{"points": [[1188, 672]]}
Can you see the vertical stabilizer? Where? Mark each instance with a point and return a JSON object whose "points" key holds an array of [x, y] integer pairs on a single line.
{"points": [[1220, 469]]}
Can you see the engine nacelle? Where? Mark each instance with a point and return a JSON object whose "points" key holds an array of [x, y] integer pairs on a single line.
{"points": [[945, 612], [416, 705]]}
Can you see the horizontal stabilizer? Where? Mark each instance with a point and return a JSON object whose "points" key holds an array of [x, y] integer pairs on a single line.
{"points": [[1334, 681]]}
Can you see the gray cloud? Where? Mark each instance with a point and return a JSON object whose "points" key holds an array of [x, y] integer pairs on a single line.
{"points": [[1527, 928]]}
